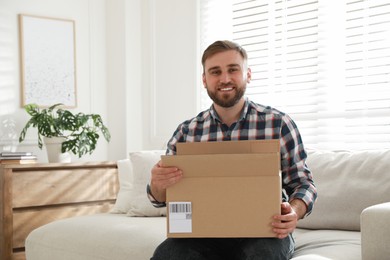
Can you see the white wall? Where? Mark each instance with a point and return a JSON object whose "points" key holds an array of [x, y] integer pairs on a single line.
{"points": [[173, 69], [137, 66], [157, 45], [89, 17]]}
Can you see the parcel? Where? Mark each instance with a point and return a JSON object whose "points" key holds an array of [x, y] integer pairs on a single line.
{"points": [[228, 189]]}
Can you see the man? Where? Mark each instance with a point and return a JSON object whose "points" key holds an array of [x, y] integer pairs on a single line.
{"points": [[234, 117]]}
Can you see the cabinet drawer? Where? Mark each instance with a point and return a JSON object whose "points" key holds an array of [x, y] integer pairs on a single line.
{"points": [[19, 256], [42, 187], [26, 221]]}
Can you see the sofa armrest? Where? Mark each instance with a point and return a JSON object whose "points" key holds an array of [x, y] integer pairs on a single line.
{"points": [[375, 231]]}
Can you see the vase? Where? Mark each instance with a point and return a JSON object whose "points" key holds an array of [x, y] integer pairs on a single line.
{"points": [[53, 149]]}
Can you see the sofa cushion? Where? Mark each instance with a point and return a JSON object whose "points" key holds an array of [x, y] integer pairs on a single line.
{"points": [[115, 236], [347, 182], [134, 174], [326, 245], [100, 236]]}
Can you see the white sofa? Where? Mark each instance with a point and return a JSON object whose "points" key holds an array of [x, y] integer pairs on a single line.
{"points": [[350, 219]]}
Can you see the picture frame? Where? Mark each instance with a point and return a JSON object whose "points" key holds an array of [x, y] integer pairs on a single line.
{"points": [[48, 61]]}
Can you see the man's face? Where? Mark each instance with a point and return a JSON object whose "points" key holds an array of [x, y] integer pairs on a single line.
{"points": [[225, 77]]}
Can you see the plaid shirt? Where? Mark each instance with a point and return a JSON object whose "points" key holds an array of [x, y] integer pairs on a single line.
{"points": [[256, 122]]}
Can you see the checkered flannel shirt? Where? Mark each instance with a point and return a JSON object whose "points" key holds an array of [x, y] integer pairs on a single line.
{"points": [[256, 122]]}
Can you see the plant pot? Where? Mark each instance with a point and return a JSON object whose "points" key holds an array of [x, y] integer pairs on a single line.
{"points": [[53, 149]]}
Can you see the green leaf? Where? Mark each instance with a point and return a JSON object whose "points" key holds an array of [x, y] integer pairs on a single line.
{"points": [[32, 109], [106, 133], [68, 146], [66, 120]]}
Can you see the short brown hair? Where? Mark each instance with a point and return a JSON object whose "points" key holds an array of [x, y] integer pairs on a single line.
{"points": [[221, 46]]}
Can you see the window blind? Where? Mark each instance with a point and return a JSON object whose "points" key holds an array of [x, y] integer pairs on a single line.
{"points": [[325, 63]]}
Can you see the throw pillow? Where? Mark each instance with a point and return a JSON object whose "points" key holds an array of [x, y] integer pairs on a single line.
{"points": [[125, 176], [143, 163], [347, 182], [134, 175]]}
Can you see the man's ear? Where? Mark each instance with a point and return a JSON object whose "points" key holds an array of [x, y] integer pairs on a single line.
{"points": [[204, 80], [248, 75]]}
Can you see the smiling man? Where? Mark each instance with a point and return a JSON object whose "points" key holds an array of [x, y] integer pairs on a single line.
{"points": [[234, 117]]}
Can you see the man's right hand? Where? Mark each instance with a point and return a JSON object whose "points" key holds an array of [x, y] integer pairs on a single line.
{"points": [[163, 177]]}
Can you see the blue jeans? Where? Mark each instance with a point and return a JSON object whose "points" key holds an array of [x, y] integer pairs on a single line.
{"points": [[225, 248]]}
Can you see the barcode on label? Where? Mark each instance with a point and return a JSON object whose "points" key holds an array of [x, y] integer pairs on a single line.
{"points": [[180, 217], [180, 207]]}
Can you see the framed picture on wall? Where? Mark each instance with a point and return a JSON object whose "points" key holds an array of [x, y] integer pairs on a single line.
{"points": [[48, 61]]}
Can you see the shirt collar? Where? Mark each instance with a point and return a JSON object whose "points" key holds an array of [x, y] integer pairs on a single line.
{"points": [[214, 113]]}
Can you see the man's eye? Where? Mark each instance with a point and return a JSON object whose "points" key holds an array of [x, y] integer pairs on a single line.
{"points": [[215, 72], [233, 70]]}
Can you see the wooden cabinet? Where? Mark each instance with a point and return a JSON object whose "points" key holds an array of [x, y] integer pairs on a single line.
{"points": [[36, 194]]}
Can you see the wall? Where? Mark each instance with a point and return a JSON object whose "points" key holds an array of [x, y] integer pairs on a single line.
{"points": [[89, 17], [155, 44], [173, 35], [137, 66]]}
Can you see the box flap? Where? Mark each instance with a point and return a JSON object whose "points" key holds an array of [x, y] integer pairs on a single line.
{"points": [[225, 165], [228, 147]]}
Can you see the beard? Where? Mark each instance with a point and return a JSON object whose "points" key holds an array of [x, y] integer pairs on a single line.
{"points": [[224, 99]]}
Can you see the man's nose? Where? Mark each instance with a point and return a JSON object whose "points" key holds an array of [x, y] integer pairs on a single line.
{"points": [[224, 77]]}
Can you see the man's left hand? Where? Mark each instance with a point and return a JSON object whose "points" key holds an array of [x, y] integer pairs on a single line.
{"points": [[286, 223]]}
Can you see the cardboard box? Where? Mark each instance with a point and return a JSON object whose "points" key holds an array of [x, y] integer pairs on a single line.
{"points": [[229, 189]]}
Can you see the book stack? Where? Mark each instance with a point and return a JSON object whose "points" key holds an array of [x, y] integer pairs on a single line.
{"points": [[17, 158]]}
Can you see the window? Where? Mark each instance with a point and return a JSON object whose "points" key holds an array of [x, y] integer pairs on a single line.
{"points": [[325, 63]]}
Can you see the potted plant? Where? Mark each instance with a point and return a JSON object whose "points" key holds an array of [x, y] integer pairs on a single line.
{"points": [[80, 131]]}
